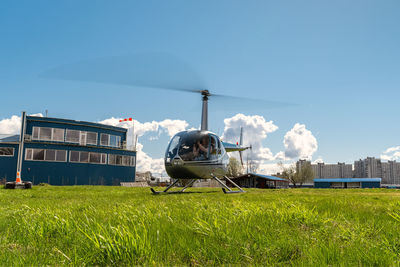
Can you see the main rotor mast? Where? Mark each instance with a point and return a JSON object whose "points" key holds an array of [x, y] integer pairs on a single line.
{"points": [[204, 112]]}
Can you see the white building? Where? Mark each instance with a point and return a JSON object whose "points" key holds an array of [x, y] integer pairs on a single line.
{"points": [[368, 168], [391, 172], [322, 170]]}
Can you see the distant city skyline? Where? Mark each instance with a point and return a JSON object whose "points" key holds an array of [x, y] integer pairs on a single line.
{"points": [[369, 167]]}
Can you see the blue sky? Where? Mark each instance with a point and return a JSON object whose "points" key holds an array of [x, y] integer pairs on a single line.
{"points": [[339, 60]]}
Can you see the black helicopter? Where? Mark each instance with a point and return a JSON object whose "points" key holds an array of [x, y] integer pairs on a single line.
{"points": [[200, 154], [191, 155]]}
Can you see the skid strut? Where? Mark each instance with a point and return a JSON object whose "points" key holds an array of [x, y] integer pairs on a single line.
{"points": [[172, 185], [226, 188]]}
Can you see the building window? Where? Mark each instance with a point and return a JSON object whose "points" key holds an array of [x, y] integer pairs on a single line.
{"points": [[91, 138], [38, 154], [110, 140], [61, 155], [94, 158], [111, 159], [35, 134], [72, 136], [121, 160], [50, 155], [87, 157], [45, 155], [103, 158], [84, 157], [28, 154], [6, 151], [115, 141], [58, 135], [74, 156], [48, 134], [81, 137], [45, 134], [104, 139]]}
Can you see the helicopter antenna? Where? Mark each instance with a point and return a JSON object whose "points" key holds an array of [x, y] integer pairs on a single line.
{"points": [[204, 112]]}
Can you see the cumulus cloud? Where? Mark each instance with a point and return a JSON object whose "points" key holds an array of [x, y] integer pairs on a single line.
{"points": [[255, 130], [173, 126], [300, 143], [392, 153], [170, 126], [144, 162], [13, 125]]}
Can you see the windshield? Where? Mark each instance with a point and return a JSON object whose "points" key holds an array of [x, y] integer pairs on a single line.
{"points": [[173, 147], [197, 146]]}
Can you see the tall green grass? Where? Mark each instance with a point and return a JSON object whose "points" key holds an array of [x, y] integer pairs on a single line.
{"points": [[128, 226]]}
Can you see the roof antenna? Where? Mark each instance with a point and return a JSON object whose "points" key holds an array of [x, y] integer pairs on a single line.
{"points": [[46, 112]]}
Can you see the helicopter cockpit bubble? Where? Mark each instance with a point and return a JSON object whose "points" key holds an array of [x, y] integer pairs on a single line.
{"points": [[190, 146]]}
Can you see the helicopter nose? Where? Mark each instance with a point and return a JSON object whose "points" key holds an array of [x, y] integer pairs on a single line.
{"points": [[177, 162]]}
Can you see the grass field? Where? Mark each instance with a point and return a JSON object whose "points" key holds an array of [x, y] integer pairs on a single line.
{"points": [[126, 226]]}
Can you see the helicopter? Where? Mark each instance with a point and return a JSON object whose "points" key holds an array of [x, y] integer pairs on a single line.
{"points": [[200, 154], [190, 155]]}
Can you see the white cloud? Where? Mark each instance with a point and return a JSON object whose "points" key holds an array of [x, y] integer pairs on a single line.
{"points": [[173, 126], [13, 124], [170, 126], [392, 153], [299, 143], [144, 162], [271, 168], [255, 130], [318, 160]]}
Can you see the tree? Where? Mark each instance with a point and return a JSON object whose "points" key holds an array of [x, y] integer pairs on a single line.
{"points": [[289, 173], [297, 176], [306, 173], [234, 168]]}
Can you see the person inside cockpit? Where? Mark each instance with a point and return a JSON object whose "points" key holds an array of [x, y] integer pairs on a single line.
{"points": [[203, 145]]}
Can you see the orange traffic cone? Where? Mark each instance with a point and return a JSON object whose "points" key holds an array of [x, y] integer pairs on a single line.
{"points": [[18, 180]]}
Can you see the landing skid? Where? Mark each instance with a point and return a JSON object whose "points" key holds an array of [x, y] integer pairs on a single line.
{"points": [[225, 188], [172, 185]]}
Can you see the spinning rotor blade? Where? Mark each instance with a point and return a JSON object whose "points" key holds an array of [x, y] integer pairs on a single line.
{"points": [[153, 70]]}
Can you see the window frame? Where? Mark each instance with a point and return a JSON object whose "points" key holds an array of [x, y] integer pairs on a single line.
{"points": [[13, 152], [72, 130], [56, 151], [87, 143], [108, 139], [52, 134], [102, 155], [129, 160]]}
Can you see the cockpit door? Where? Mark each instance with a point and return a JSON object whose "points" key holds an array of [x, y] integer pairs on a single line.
{"points": [[214, 147]]}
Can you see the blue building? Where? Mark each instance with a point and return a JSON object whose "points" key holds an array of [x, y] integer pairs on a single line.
{"points": [[348, 183], [254, 180], [67, 152]]}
